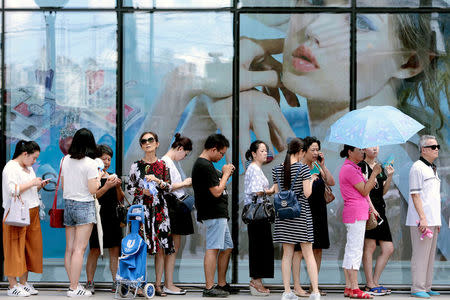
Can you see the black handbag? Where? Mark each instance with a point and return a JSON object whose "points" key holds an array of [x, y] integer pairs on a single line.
{"points": [[121, 212], [258, 211]]}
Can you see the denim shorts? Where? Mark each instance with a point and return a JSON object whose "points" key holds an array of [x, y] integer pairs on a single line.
{"points": [[217, 234], [79, 213]]}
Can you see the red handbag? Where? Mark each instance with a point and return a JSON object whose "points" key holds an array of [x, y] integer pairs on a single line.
{"points": [[57, 214]]}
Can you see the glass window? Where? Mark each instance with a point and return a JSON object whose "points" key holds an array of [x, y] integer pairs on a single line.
{"points": [[178, 3], [60, 3], [178, 78], [60, 76], [403, 3], [292, 3], [312, 52], [411, 72]]}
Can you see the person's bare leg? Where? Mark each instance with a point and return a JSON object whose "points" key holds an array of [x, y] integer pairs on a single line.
{"points": [[114, 261], [296, 264], [159, 268], [369, 247], [24, 278], [70, 241], [82, 234], [91, 263], [387, 248], [286, 266], [12, 281], [169, 265], [209, 265], [318, 258], [311, 266], [347, 279], [353, 277], [222, 266]]}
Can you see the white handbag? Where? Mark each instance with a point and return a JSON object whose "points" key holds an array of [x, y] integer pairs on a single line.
{"points": [[18, 213]]}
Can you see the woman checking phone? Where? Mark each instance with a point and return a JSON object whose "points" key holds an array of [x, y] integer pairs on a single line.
{"points": [[380, 235]]}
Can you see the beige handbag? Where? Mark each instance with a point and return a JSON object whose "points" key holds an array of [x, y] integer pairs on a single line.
{"points": [[18, 213], [372, 222], [328, 194]]}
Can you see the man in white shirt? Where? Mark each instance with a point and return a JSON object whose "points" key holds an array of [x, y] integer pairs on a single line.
{"points": [[424, 212]]}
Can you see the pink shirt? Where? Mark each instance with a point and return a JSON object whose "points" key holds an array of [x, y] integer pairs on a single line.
{"points": [[356, 206]]}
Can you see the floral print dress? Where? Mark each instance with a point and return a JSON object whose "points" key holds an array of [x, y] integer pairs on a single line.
{"points": [[157, 223]]}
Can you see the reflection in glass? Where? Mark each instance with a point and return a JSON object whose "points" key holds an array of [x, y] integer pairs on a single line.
{"points": [[60, 3], [292, 3], [60, 76], [403, 61], [178, 3], [178, 78], [403, 3]]}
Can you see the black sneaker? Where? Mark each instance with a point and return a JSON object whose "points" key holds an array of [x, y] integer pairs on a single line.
{"points": [[228, 288], [215, 292]]}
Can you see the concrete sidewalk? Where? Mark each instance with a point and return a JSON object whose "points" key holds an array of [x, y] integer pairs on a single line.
{"points": [[197, 295]]}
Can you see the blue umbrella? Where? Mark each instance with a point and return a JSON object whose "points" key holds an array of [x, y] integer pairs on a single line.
{"points": [[373, 126]]}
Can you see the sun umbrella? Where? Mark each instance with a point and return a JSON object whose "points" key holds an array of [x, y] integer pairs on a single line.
{"points": [[373, 126], [99, 226]]}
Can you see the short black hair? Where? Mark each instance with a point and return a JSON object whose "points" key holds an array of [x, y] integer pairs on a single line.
{"points": [[308, 141], [26, 146], [83, 144], [104, 149], [217, 140], [344, 152]]}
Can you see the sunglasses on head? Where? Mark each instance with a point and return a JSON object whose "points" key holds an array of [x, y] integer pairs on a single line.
{"points": [[433, 147], [150, 140]]}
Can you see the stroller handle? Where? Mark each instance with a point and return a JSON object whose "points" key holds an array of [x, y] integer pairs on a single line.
{"points": [[136, 214]]}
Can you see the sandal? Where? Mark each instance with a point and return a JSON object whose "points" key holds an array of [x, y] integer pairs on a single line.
{"points": [[159, 292], [358, 294], [258, 289], [386, 290], [322, 293], [347, 292], [375, 291], [302, 294]]}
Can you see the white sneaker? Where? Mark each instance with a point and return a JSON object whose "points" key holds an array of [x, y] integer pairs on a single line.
{"points": [[17, 291], [315, 296], [90, 287], [29, 288], [289, 296], [79, 292]]}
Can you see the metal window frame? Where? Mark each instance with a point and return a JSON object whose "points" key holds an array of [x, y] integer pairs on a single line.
{"points": [[120, 10]]}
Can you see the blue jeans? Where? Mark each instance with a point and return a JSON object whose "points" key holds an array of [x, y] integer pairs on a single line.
{"points": [[79, 213]]}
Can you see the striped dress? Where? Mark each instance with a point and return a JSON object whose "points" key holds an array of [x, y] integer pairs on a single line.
{"points": [[297, 230]]}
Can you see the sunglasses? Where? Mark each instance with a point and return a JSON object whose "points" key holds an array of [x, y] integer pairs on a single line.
{"points": [[150, 140], [433, 147]]}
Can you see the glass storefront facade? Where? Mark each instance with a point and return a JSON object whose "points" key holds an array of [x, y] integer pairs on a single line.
{"points": [[200, 66]]}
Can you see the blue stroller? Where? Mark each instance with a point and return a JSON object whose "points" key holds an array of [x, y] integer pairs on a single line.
{"points": [[132, 274]]}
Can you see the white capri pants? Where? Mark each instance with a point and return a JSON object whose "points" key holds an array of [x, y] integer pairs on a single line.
{"points": [[355, 244]]}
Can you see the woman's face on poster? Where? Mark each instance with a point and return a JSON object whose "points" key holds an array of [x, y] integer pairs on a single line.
{"points": [[316, 58]]}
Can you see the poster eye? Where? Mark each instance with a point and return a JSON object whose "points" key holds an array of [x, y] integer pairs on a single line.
{"points": [[365, 24]]}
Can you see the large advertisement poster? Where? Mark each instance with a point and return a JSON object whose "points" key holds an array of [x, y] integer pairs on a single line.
{"points": [[297, 67]]}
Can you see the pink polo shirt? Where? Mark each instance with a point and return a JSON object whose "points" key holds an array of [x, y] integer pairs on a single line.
{"points": [[356, 206]]}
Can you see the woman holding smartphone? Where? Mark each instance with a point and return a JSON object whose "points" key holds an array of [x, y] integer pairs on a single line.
{"points": [[380, 235]]}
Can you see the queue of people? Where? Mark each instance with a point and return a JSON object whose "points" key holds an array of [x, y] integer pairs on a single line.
{"points": [[363, 183]]}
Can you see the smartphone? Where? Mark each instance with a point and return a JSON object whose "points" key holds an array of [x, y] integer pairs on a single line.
{"points": [[319, 158]]}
